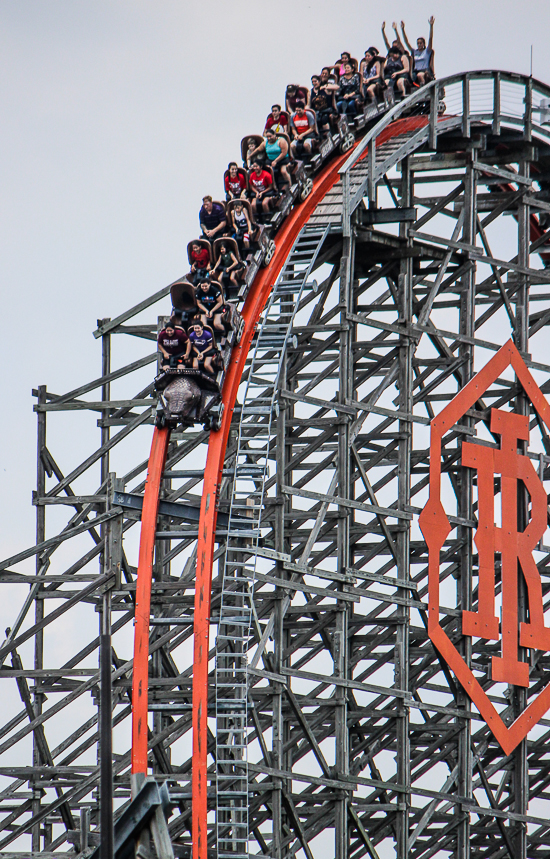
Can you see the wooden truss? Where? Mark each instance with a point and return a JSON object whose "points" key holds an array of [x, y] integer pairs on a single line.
{"points": [[360, 740]]}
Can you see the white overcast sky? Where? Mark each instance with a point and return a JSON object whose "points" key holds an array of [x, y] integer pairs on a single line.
{"points": [[116, 117]]}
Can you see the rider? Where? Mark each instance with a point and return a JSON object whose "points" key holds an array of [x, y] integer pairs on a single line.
{"points": [[174, 344], [303, 129], [321, 100], [210, 302], [349, 93], [212, 218], [340, 65], [235, 182], [202, 343], [372, 74], [277, 120], [293, 95], [396, 70], [422, 56], [200, 263], [260, 183], [228, 267], [276, 149], [242, 226]]}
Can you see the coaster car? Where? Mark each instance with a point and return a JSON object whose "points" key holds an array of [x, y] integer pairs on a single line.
{"points": [[188, 396], [183, 295]]}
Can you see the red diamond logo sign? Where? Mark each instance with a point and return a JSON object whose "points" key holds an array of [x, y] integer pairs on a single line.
{"points": [[514, 544]]}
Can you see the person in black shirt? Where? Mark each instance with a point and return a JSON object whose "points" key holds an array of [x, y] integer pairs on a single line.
{"points": [[321, 100], [349, 93], [210, 303], [212, 218], [397, 71]]}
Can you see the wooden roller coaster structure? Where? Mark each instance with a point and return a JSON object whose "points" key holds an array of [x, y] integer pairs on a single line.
{"points": [[284, 693]]}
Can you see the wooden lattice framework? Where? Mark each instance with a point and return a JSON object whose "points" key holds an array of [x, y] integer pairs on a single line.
{"points": [[361, 743]]}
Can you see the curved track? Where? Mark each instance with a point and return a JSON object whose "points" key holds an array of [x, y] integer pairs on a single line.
{"points": [[254, 305], [252, 310], [339, 730]]}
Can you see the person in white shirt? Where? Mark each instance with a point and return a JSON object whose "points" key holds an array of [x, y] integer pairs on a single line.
{"points": [[422, 57]]}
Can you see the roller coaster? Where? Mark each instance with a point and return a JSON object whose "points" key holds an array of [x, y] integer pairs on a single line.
{"points": [[284, 692]]}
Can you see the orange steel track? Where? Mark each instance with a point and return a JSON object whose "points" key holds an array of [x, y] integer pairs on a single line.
{"points": [[140, 678], [254, 304]]}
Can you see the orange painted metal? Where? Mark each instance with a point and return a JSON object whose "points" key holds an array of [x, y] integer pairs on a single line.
{"points": [[140, 679], [516, 547], [256, 300], [484, 622]]}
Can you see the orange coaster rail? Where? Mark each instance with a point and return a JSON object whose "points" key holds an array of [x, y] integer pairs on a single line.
{"points": [[254, 304], [140, 678]]}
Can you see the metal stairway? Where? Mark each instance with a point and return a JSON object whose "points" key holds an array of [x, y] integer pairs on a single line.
{"points": [[239, 564]]}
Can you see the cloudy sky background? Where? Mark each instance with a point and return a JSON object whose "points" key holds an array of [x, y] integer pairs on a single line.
{"points": [[116, 118]]}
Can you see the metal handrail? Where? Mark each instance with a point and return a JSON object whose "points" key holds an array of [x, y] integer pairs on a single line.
{"points": [[431, 92]]}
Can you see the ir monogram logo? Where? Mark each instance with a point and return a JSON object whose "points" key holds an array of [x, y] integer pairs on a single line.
{"points": [[514, 544]]}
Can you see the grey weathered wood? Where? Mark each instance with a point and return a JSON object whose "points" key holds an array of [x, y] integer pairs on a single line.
{"points": [[351, 392]]}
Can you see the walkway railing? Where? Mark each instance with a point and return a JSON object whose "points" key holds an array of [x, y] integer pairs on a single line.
{"points": [[496, 98]]}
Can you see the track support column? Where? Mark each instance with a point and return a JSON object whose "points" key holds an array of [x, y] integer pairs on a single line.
{"points": [[39, 604], [112, 562], [402, 659], [340, 644], [283, 454], [520, 778], [467, 328]]}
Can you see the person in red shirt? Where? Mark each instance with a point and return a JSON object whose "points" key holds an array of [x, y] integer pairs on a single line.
{"points": [[200, 263], [174, 345], [235, 182], [294, 94], [304, 130], [277, 120], [260, 184]]}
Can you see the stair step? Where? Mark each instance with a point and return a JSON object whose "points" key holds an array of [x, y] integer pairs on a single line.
{"points": [[169, 708]]}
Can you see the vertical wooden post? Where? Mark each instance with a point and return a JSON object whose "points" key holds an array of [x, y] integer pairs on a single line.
{"points": [[496, 103], [520, 779], [105, 692], [467, 328], [434, 107], [39, 602], [283, 455], [402, 661], [466, 105], [340, 637]]}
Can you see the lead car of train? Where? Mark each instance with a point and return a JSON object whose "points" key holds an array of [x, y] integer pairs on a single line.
{"points": [[188, 396]]}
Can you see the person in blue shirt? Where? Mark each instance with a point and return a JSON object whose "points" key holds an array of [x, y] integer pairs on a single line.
{"points": [[276, 150], [212, 218]]}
